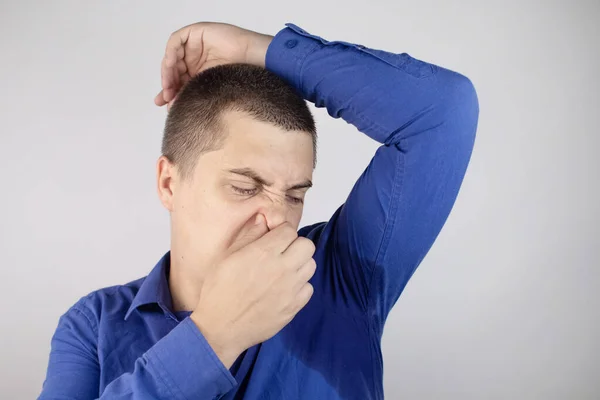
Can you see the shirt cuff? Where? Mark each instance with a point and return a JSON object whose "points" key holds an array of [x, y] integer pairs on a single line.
{"points": [[288, 50], [292, 45], [188, 365]]}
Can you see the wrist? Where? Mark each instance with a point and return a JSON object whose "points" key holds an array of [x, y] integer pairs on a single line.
{"points": [[223, 347], [257, 48]]}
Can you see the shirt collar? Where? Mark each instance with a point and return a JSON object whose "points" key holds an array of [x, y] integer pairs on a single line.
{"points": [[155, 288]]}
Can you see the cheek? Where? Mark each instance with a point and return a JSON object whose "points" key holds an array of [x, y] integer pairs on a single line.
{"points": [[215, 216], [294, 216], [203, 219], [219, 219], [212, 220]]}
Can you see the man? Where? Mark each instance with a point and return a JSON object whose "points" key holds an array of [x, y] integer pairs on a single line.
{"points": [[244, 305]]}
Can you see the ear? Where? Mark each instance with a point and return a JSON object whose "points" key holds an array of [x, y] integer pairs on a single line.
{"points": [[166, 179]]}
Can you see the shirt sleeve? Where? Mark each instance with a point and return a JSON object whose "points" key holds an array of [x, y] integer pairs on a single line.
{"points": [[181, 365], [425, 117]]}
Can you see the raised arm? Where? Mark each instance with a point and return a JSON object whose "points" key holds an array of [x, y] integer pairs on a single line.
{"points": [[424, 115]]}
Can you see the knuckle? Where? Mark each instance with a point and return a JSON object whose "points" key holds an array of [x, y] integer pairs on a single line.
{"points": [[310, 290], [289, 230], [308, 244], [258, 251], [309, 273]]}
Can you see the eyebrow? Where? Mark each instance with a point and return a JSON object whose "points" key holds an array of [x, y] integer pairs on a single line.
{"points": [[250, 173]]}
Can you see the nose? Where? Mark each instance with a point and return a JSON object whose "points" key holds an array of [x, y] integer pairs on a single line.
{"points": [[275, 212]]}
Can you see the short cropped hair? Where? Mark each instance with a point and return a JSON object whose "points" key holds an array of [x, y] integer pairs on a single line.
{"points": [[194, 126]]}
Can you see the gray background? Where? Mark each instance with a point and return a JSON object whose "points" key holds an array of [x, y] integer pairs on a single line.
{"points": [[505, 305]]}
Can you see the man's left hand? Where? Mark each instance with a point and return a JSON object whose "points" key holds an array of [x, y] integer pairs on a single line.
{"points": [[203, 45]]}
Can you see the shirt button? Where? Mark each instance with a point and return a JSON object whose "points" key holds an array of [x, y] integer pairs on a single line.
{"points": [[290, 44]]}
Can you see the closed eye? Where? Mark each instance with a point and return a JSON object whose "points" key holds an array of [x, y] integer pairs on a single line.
{"points": [[242, 191], [252, 192], [296, 200]]}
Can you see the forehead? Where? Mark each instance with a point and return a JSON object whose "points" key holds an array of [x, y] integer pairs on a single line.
{"points": [[265, 147]]}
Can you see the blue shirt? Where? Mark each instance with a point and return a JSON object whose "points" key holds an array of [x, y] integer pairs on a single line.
{"points": [[125, 342]]}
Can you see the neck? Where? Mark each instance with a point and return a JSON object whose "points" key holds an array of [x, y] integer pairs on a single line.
{"points": [[185, 283]]}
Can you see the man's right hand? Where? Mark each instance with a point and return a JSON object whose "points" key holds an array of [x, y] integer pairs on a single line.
{"points": [[257, 290]]}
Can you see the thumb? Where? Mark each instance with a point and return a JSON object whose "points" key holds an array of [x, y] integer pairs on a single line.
{"points": [[252, 230]]}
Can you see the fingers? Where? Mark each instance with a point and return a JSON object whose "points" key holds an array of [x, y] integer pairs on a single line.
{"points": [[304, 295], [307, 271], [252, 230], [173, 65], [175, 50], [181, 67], [299, 252], [174, 70], [170, 83], [170, 103], [167, 80], [278, 239], [159, 99]]}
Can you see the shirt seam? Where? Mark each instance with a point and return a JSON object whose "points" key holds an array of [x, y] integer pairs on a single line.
{"points": [[388, 226], [89, 320], [299, 83], [393, 203], [391, 208], [94, 345], [392, 211]]}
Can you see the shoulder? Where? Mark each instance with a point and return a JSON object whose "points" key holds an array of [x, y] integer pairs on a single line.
{"points": [[107, 302], [312, 231]]}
